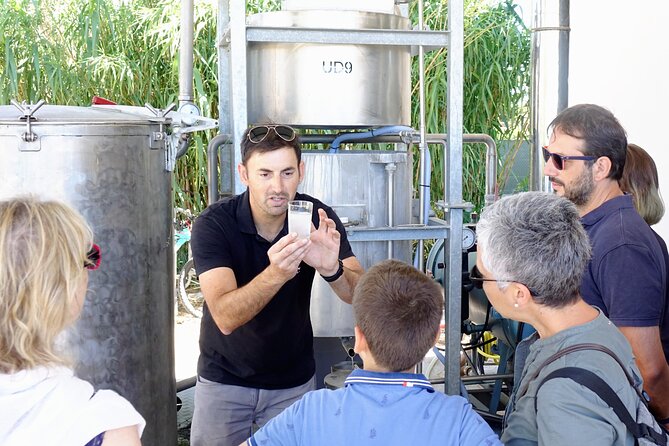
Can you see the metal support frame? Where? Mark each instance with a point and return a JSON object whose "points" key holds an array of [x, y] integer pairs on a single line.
{"points": [[349, 36], [232, 106], [453, 160], [233, 35]]}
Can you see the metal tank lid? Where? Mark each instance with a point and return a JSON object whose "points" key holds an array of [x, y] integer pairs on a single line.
{"points": [[67, 114]]}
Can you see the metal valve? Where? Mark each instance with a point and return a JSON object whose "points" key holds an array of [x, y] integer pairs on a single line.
{"points": [[158, 138]]}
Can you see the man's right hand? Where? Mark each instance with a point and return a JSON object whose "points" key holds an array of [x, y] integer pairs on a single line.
{"points": [[232, 307], [285, 257]]}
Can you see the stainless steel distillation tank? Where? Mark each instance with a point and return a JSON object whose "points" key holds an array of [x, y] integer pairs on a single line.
{"points": [[111, 166], [326, 85], [367, 189]]}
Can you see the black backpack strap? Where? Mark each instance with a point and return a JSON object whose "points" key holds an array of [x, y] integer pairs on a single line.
{"points": [[604, 391], [574, 348]]}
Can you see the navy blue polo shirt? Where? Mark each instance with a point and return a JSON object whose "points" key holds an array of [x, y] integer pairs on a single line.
{"points": [[274, 350], [626, 276]]}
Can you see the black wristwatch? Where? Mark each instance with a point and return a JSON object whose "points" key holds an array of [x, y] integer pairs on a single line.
{"points": [[337, 275]]}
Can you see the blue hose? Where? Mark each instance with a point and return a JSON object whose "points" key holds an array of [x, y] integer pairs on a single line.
{"points": [[334, 147]]}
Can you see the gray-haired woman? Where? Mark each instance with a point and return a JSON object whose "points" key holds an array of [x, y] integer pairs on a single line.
{"points": [[532, 252]]}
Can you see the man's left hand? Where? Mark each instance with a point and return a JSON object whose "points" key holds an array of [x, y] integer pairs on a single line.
{"points": [[323, 254]]}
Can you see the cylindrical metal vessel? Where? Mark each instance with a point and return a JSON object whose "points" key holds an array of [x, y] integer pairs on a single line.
{"points": [[319, 85], [100, 162], [355, 185]]}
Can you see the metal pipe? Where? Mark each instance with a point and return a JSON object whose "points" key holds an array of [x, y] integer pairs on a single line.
{"points": [[348, 342], [186, 53], [453, 188], [212, 166], [390, 171], [424, 186], [535, 163], [563, 56], [549, 71], [490, 165], [491, 192]]}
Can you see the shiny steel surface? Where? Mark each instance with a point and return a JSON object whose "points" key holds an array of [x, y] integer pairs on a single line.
{"points": [[99, 161], [318, 85], [354, 184]]}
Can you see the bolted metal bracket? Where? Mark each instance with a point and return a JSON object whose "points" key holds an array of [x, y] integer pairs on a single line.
{"points": [[157, 139], [465, 205], [27, 110], [225, 38]]}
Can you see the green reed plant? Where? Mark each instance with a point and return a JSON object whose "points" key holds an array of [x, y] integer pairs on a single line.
{"points": [[496, 88]]}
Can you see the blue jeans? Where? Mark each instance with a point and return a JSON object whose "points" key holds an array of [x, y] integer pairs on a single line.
{"points": [[224, 415]]}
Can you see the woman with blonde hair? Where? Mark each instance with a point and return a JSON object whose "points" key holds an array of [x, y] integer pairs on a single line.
{"points": [[46, 251]]}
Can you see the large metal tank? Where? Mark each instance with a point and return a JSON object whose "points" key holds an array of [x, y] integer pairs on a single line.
{"points": [[357, 184], [325, 85], [102, 163]]}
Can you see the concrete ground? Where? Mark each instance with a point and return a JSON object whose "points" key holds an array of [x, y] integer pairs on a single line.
{"points": [[186, 351]]}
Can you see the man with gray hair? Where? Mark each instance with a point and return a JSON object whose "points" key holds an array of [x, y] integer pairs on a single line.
{"points": [[532, 250], [627, 276]]}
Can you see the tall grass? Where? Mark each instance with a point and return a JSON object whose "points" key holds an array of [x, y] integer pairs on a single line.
{"points": [[496, 88], [66, 51]]}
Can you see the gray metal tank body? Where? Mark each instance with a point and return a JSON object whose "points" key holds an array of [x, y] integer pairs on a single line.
{"points": [[100, 163], [325, 85], [355, 185]]}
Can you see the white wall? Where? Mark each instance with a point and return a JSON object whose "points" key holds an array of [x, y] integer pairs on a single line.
{"points": [[619, 59]]}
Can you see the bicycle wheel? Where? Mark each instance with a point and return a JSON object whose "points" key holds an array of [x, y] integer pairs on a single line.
{"points": [[189, 290]]}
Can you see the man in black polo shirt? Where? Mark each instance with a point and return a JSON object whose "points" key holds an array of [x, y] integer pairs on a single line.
{"points": [[626, 276], [256, 341]]}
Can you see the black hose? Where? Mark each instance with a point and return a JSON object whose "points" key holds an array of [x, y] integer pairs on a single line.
{"points": [[472, 347], [186, 383]]}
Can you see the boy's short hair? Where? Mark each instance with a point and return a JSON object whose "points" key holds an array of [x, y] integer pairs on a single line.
{"points": [[398, 309]]}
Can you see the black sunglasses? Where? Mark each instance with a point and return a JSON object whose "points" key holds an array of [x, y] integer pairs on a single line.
{"points": [[558, 160], [259, 133], [93, 258], [477, 279]]}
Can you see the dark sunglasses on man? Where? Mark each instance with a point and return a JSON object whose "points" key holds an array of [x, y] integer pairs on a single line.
{"points": [[259, 133], [93, 258], [558, 160]]}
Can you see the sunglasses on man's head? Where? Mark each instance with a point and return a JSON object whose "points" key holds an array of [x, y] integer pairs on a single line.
{"points": [[93, 258], [259, 133], [558, 160]]}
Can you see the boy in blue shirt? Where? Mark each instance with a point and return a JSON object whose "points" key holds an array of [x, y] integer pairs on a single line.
{"points": [[397, 310]]}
